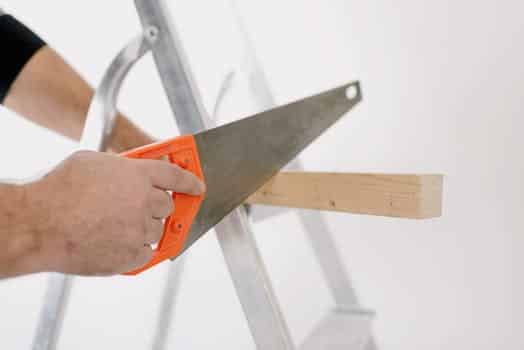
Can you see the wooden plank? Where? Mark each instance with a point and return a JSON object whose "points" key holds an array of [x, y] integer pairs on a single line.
{"points": [[395, 195]]}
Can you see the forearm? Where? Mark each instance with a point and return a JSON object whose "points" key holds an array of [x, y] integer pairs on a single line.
{"points": [[40, 85], [51, 93], [19, 243]]}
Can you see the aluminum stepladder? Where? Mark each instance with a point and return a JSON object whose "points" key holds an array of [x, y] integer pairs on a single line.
{"points": [[346, 327]]}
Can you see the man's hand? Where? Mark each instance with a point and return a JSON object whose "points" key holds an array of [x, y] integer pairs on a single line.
{"points": [[97, 214]]}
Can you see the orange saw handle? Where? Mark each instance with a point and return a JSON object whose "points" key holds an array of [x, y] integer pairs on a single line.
{"points": [[183, 152]]}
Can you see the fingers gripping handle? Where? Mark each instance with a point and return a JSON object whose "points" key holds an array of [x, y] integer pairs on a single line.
{"points": [[183, 152]]}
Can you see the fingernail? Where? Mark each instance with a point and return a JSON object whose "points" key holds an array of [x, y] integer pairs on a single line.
{"points": [[202, 187]]}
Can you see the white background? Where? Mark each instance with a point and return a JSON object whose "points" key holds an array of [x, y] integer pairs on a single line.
{"points": [[443, 84]]}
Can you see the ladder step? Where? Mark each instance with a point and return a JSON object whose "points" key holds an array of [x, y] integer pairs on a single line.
{"points": [[342, 329]]}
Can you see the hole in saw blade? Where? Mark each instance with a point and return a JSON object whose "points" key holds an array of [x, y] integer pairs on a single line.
{"points": [[351, 92]]}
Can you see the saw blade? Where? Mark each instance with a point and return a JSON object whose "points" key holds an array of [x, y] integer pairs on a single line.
{"points": [[238, 158]]}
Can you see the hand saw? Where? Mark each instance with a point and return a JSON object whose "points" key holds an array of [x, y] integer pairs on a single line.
{"points": [[236, 159]]}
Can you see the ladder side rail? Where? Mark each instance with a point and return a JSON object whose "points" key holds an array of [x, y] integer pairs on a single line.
{"points": [[235, 235]]}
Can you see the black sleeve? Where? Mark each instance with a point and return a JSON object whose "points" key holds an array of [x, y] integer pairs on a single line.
{"points": [[17, 45]]}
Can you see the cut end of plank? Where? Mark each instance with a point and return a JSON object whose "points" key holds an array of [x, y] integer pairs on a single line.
{"points": [[430, 202], [394, 195]]}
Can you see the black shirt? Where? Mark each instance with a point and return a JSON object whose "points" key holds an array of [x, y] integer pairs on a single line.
{"points": [[17, 45]]}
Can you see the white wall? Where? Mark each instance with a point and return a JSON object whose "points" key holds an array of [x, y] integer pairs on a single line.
{"points": [[443, 84]]}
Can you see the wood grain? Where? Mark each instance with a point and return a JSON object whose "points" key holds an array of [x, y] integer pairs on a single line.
{"points": [[396, 195]]}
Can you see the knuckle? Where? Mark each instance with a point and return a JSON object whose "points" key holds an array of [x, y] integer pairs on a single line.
{"points": [[158, 226], [162, 204], [159, 234], [156, 229], [175, 169], [82, 154], [182, 174], [184, 180]]}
